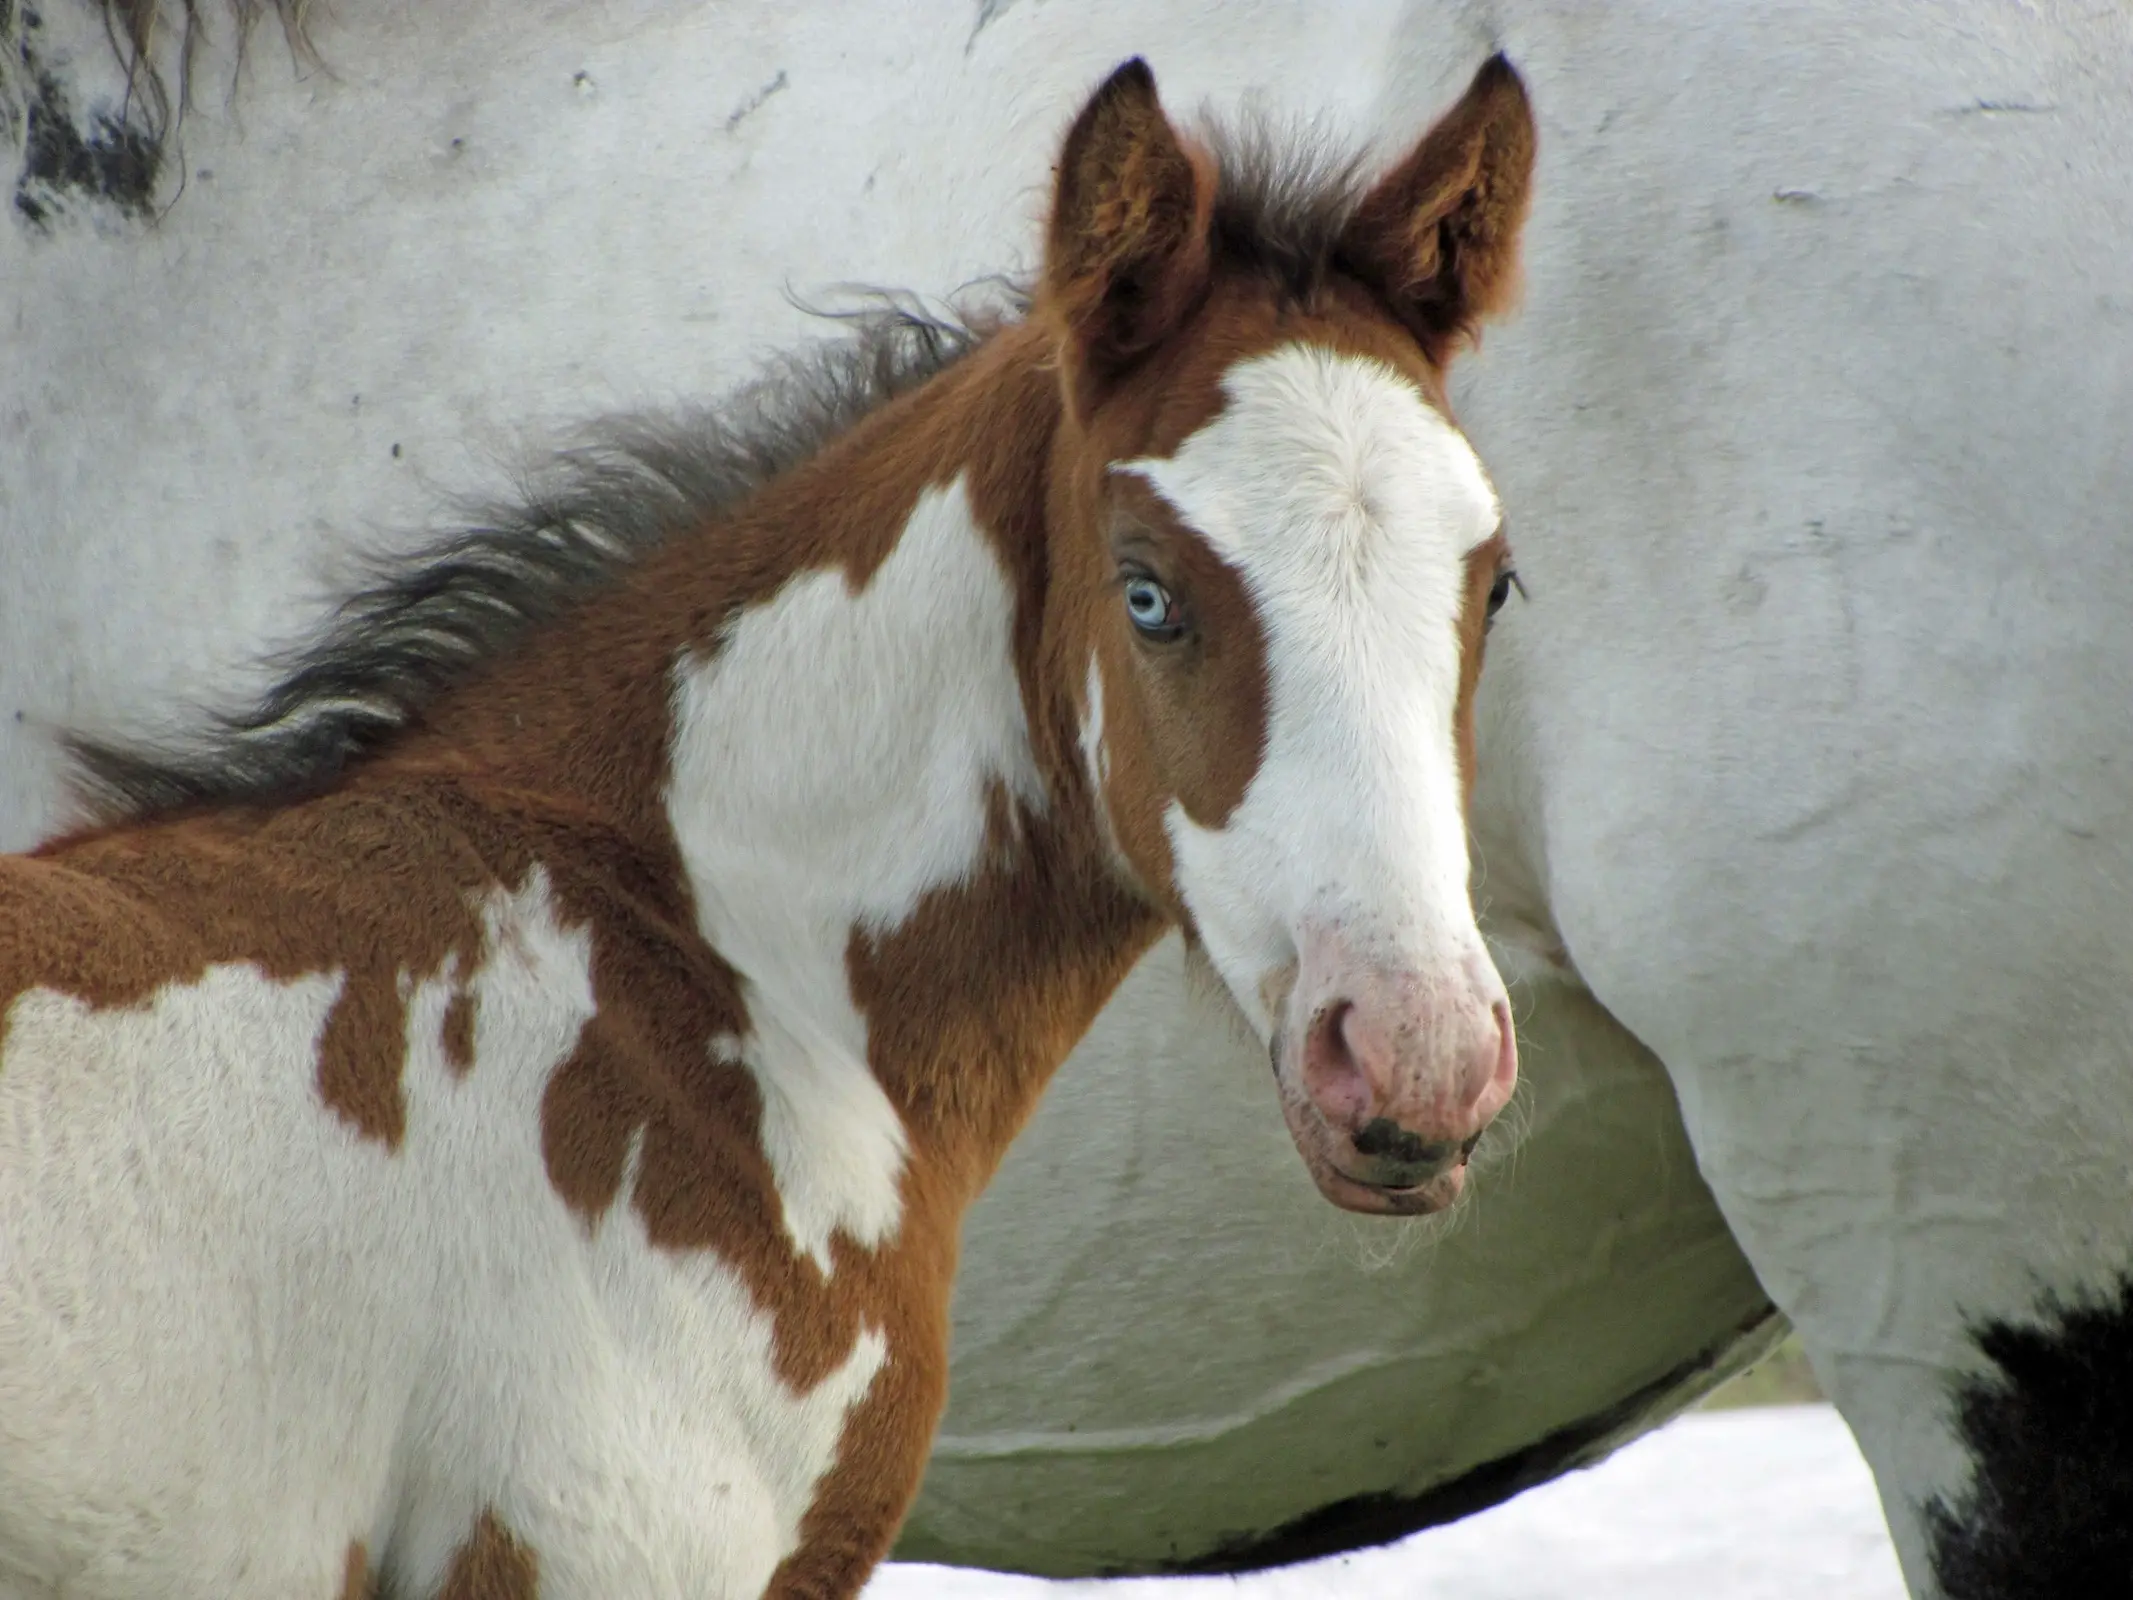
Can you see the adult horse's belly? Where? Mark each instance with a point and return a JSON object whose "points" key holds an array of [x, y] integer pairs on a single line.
{"points": [[1169, 1351], [1166, 1345]]}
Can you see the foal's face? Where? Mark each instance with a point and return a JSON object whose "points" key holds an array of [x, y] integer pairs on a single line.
{"points": [[1300, 554], [1293, 556]]}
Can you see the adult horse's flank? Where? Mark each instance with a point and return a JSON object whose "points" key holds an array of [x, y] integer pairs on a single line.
{"points": [[499, 1116]]}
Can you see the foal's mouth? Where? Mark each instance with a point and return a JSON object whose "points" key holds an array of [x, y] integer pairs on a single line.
{"points": [[1388, 1199], [1374, 1188]]}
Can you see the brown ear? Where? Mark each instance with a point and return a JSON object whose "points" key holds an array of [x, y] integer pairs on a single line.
{"points": [[1127, 255], [1439, 234]]}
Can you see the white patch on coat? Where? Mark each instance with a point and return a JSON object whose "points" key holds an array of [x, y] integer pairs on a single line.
{"points": [[831, 762], [235, 1335], [1348, 504], [1095, 755], [1096, 759], [174, 1269]]}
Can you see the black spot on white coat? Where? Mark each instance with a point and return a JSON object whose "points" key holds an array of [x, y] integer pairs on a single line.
{"points": [[2049, 1510]]}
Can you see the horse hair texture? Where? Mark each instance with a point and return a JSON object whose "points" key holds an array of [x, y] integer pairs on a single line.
{"points": [[140, 31], [2049, 1509], [421, 624], [416, 626]]}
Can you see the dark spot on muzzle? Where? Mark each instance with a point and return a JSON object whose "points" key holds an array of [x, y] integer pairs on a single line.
{"points": [[1383, 1139]]}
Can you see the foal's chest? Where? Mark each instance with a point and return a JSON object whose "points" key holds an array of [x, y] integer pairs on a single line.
{"points": [[631, 1404], [469, 1377]]}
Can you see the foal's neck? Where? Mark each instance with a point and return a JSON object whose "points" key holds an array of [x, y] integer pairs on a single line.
{"points": [[843, 746]]}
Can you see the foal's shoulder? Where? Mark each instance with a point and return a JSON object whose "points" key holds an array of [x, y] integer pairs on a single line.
{"points": [[69, 926]]}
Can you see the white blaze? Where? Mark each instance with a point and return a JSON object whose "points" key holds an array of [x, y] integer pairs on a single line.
{"points": [[1348, 504]]}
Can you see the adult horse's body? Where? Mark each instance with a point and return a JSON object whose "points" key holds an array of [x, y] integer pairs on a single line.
{"points": [[1808, 757]]}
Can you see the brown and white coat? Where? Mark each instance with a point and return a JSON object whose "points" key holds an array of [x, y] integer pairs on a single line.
{"points": [[523, 1150]]}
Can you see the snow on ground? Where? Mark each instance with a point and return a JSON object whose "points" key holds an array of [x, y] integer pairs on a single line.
{"points": [[1725, 1505]]}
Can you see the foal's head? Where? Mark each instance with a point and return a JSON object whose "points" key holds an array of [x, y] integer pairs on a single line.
{"points": [[1277, 559]]}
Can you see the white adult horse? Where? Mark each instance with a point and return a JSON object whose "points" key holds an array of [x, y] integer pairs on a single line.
{"points": [[1805, 760]]}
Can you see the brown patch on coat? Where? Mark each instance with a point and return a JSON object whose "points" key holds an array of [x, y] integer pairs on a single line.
{"points": [[492, 1565], [371, 882], [556, 756], [1484, 563], [1204, 696], [458, 1031], [355, 1573]]}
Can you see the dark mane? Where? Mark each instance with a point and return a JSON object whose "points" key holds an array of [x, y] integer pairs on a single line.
{"points": [[423, 623], [416, 626], [141, 31], [1282, 198]]}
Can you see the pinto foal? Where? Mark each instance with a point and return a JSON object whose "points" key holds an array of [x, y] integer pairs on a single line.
{"points": [[497, 1120]]}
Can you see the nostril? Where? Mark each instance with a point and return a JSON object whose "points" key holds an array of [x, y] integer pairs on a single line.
{"points": [[1505, 1068], [1334, 1078], [1353, 1044], [1330, 1034], [1490, 1074]]}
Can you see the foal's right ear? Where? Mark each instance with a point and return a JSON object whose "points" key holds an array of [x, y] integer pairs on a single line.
{"points": [[1127, 255], [1439, 237]]}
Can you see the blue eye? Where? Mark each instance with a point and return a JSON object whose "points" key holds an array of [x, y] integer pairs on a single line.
{"points": [[1151, 609]]}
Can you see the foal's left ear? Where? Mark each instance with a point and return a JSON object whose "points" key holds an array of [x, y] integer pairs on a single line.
{"points": [[1127, 255], [1438, 236]]}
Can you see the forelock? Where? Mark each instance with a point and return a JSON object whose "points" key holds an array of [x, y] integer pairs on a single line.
{"points": [[1283, 196]]}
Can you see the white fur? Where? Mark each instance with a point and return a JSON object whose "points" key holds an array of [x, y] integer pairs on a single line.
{"points": [[1096, 758], [1348, 503], [1095, 754], [831, 761], [234, 1335]]}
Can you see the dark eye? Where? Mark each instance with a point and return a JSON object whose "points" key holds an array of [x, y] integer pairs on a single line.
{"points": [[1500, 590], [1154, 614]]}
